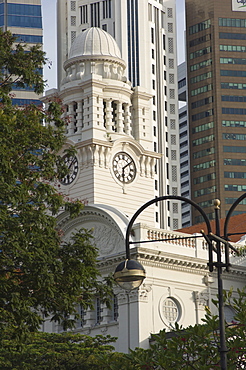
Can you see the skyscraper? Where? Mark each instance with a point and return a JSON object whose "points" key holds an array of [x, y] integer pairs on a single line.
{"points": [[216, 44], [24, 20], [146, 34]]}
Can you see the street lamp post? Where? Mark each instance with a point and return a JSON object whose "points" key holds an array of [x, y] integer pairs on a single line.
{"points": [[130, 274]]}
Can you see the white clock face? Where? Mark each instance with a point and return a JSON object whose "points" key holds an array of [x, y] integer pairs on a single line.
{"points": [[124, 167], [72, 165]]}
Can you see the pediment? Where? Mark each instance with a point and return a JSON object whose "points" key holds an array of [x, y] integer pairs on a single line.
{"points": [[108, 236]]}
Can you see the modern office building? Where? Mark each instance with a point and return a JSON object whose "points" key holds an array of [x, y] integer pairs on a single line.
{"points": [[184, 139], [145, 32], [216, 45], [24, 19]]}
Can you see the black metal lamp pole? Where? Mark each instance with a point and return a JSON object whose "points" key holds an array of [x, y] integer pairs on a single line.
{"points": [[129, 270]]}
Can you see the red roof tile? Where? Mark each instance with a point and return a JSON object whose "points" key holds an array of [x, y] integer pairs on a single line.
{"points": [[237, 224]]}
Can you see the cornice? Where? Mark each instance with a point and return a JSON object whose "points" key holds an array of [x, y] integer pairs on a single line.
{"points": [[171, 261]]}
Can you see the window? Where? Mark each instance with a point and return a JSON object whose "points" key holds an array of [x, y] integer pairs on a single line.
{"points": [[173, 139], [232, 136], [201, 115], [208, 203], [172, 124], [106, 9], [95, 14], [73, 6], [23, 15], [201, 179], [234, 162], [204, 127], [172, 108], [153, 84], [238, 48], [171, 78], [83, 14], [152, 35], [232, 22], [153, 69], [169, 12], [175, 207], [233, 98], [232, 73], [182, 83], [81, 320], [203, 153], [174, 173], [235, 187], [203, 140], [98, 311], [232, 36], [232, 60], [199, 53], [73, 36], [199, 27], [201, 77], [233, 123], [164, 42], [170, 45], [184, 154], [235, 175], [203, 64], [201, 90], [73, 20], [115, 308], [205, 191], [170, 63], [234, 111], [204, 165], [200, 40], [232, 200], [172, 94], [173, 155], [170, 27], [234, 149], [200, 103]]}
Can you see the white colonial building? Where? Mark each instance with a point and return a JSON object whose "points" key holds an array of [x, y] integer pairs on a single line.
{"points": [[145, 32], [110, 123]]}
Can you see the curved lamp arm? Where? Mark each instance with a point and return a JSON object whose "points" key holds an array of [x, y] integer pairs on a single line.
{"points": [[155, 200]]}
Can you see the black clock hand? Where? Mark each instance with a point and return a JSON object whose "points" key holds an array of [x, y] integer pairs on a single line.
{"points": [[123, 168]]}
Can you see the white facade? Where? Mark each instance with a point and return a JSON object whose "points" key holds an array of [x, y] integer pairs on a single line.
{"points": [[145, 32], [184, 144], [177, 287], [110, 123]]}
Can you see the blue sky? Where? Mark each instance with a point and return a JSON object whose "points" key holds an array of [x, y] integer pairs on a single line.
{"points": [[49, 29]]}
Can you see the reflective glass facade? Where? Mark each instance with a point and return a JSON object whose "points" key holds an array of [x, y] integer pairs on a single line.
{"points": [[24, 20], [216, 93]]}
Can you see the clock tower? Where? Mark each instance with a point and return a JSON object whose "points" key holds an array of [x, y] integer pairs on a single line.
{"points": [[108, 122]]}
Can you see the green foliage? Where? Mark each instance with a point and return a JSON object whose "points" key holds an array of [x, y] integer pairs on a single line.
{"points": [[40, 275], [19, 65], [65, 351], [196, 347]]}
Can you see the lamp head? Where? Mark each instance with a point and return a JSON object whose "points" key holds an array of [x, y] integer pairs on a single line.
{"points": [[129, 274]]}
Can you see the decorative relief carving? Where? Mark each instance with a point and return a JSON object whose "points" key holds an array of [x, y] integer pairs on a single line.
{"points": [[107, 235], [201, 298]]}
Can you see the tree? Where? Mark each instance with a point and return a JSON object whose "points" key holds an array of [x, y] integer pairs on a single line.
{"points": [[40, 275], [196, 347], [65, 351]]}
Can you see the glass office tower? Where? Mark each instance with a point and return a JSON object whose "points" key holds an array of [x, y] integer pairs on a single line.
{"points": [[216, 45], [24, 20]]}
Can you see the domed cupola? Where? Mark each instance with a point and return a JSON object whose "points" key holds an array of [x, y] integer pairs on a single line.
{"points": [[94, 42], [94, 52]]}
